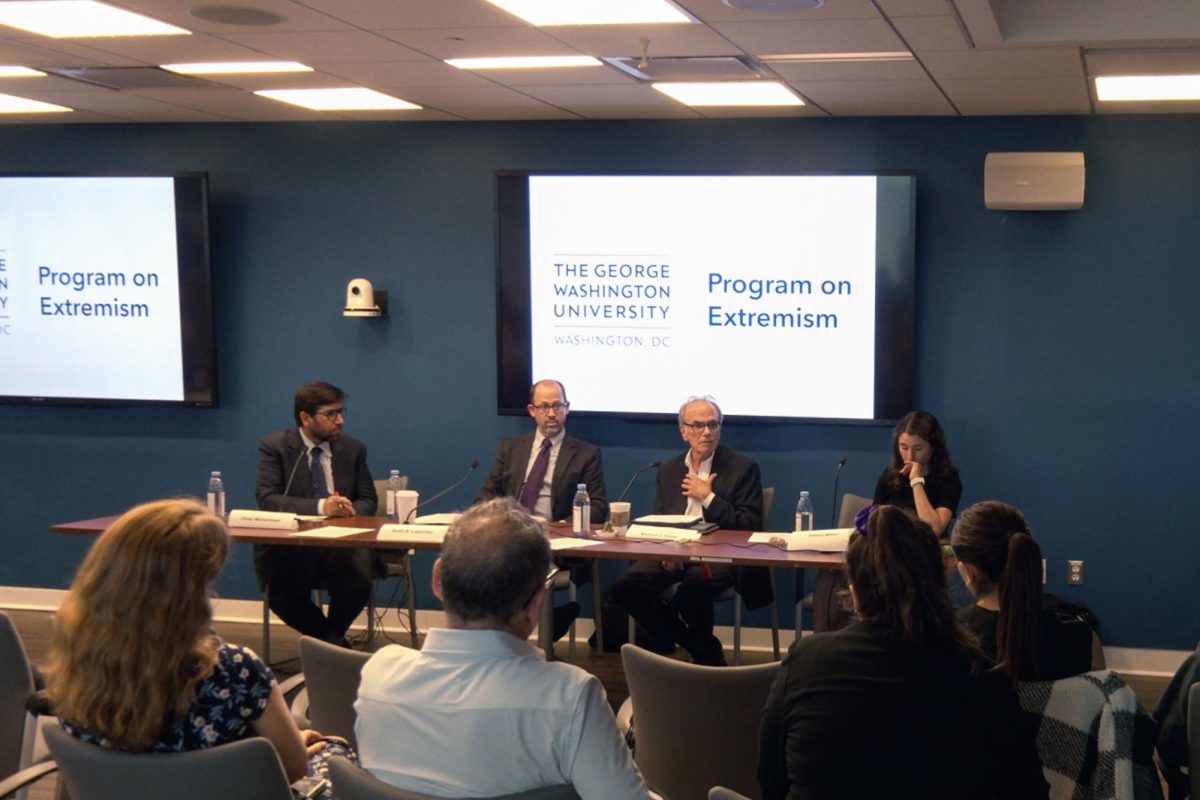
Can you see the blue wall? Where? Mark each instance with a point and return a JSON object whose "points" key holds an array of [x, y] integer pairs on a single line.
{"points": [[1059, 350]]}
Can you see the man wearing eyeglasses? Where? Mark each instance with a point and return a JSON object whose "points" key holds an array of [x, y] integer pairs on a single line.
{"points": [[314, 469], [543, 468], [724, 487]]}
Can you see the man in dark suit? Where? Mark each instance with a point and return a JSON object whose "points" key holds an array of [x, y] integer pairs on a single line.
{"points": [[314, 469], [713, 482], [542, 469]]}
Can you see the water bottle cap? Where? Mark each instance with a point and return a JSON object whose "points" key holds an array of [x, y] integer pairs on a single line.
{"points": [[581, 486], [395, 473], [216, 473], [804, 494]]}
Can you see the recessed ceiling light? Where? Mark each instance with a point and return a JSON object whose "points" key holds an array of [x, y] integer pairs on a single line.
{"points": [[350, 99], [77, 19], [1148, 87], [524, 62], [593, 12], [730, 93], [10, 104], [19, 72], [236, 67], [838, 58]]}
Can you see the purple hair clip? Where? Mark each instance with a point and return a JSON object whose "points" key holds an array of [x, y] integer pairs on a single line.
{"points": [[860, 519]]}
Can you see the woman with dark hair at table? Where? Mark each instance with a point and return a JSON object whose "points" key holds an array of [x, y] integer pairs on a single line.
{"points": [[1001, 564], [921, 476], [900, 704], [134, 664]]}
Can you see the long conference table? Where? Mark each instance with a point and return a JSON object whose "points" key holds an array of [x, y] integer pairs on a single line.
{"points": [[718, 547]]}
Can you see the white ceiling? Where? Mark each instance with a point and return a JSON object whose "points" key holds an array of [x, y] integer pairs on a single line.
{"points": [[969, 57]]}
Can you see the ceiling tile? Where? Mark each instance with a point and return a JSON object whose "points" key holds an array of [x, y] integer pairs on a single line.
{"points": [[868, 98], [908, 70], [831, 36], [1019, 95], [717, 11], [931, 33], [443, 43], [309, 47], [390, 14], [1057, 62]]}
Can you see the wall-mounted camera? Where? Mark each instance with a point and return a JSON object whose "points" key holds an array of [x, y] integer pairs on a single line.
{"points": [[363, 301]]}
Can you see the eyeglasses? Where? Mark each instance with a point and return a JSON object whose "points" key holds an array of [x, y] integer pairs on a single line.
{"points": [[546, 408], [698, 427], [332, 413]]}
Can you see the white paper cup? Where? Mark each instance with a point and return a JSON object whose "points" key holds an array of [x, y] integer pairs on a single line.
{"points": [[406, 501], [618, 513]]}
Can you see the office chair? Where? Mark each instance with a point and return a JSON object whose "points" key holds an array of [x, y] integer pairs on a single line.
{"points": [[21, 743], [731, 595], [352, 782], [331, 676], [244, 770], [696, 726]]}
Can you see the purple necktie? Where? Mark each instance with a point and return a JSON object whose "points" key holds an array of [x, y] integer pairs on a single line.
{"points": [[537, 475]]}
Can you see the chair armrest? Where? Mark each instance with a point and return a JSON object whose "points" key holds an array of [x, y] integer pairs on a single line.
{"points": [[26, 777]]}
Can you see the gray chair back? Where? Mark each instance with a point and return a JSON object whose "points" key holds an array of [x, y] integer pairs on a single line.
{"points": [[245, 770], [1193, 736], [696, 727], [16, 687], [851, 505], [331, 676], [352, 782]]}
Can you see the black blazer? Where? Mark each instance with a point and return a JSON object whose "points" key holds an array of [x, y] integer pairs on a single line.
{"points": [[736, 505], [278, 454], [578, 462]]}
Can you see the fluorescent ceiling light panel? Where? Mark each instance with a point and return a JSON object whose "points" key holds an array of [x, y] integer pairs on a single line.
{"points": [[1148, 87], [730, 93], [10, 104], [7, 71], [77, 19], [524, 62], [236, 67], [839, 58], [351, 99], [593, 12]]}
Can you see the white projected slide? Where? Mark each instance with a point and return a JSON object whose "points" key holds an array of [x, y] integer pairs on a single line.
{"points": [[645, 289], [89, 288]]}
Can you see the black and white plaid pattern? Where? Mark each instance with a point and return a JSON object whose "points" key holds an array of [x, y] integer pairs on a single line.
{"points": [[1095, 740]]}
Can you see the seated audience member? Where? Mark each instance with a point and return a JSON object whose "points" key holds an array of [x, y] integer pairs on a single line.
{"points": [[921, 477], [1001, 564], [477, 711], [900, 704], [724, 487], [134, 664]]}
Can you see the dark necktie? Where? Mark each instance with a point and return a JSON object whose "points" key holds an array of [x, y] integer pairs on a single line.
{"points": [[319, 489], [537, 476]]}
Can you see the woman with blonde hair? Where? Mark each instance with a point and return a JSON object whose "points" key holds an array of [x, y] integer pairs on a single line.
{"points": [[134, 664]]}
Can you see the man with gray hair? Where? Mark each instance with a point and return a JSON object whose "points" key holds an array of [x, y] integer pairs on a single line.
{"points": [[712, 482], [477, 711]]}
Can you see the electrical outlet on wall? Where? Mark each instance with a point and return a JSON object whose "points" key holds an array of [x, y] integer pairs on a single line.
{"points": [[1075, 573]]}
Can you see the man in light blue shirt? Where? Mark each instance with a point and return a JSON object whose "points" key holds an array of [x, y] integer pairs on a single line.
{"points": [[478, 711]]}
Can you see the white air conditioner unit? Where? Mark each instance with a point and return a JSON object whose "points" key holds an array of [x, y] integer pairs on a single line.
{"points": [[1033, 181]]}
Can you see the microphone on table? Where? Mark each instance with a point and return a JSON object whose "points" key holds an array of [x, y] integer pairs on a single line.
{"points": [[629, 485], [836, 474], [408, 517], [288, 486]]}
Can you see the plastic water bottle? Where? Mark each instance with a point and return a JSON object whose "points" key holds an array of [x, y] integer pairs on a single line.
{"points": [[804, 513], [394, 485], [581, 517], [216, 495]]}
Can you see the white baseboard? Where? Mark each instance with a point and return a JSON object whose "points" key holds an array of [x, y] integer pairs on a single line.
{"points": [[1127, 660]]}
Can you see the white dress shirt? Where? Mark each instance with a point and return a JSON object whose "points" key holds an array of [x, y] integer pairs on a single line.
{"points": [[695, 508], [326, 461], [477, 713]]}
